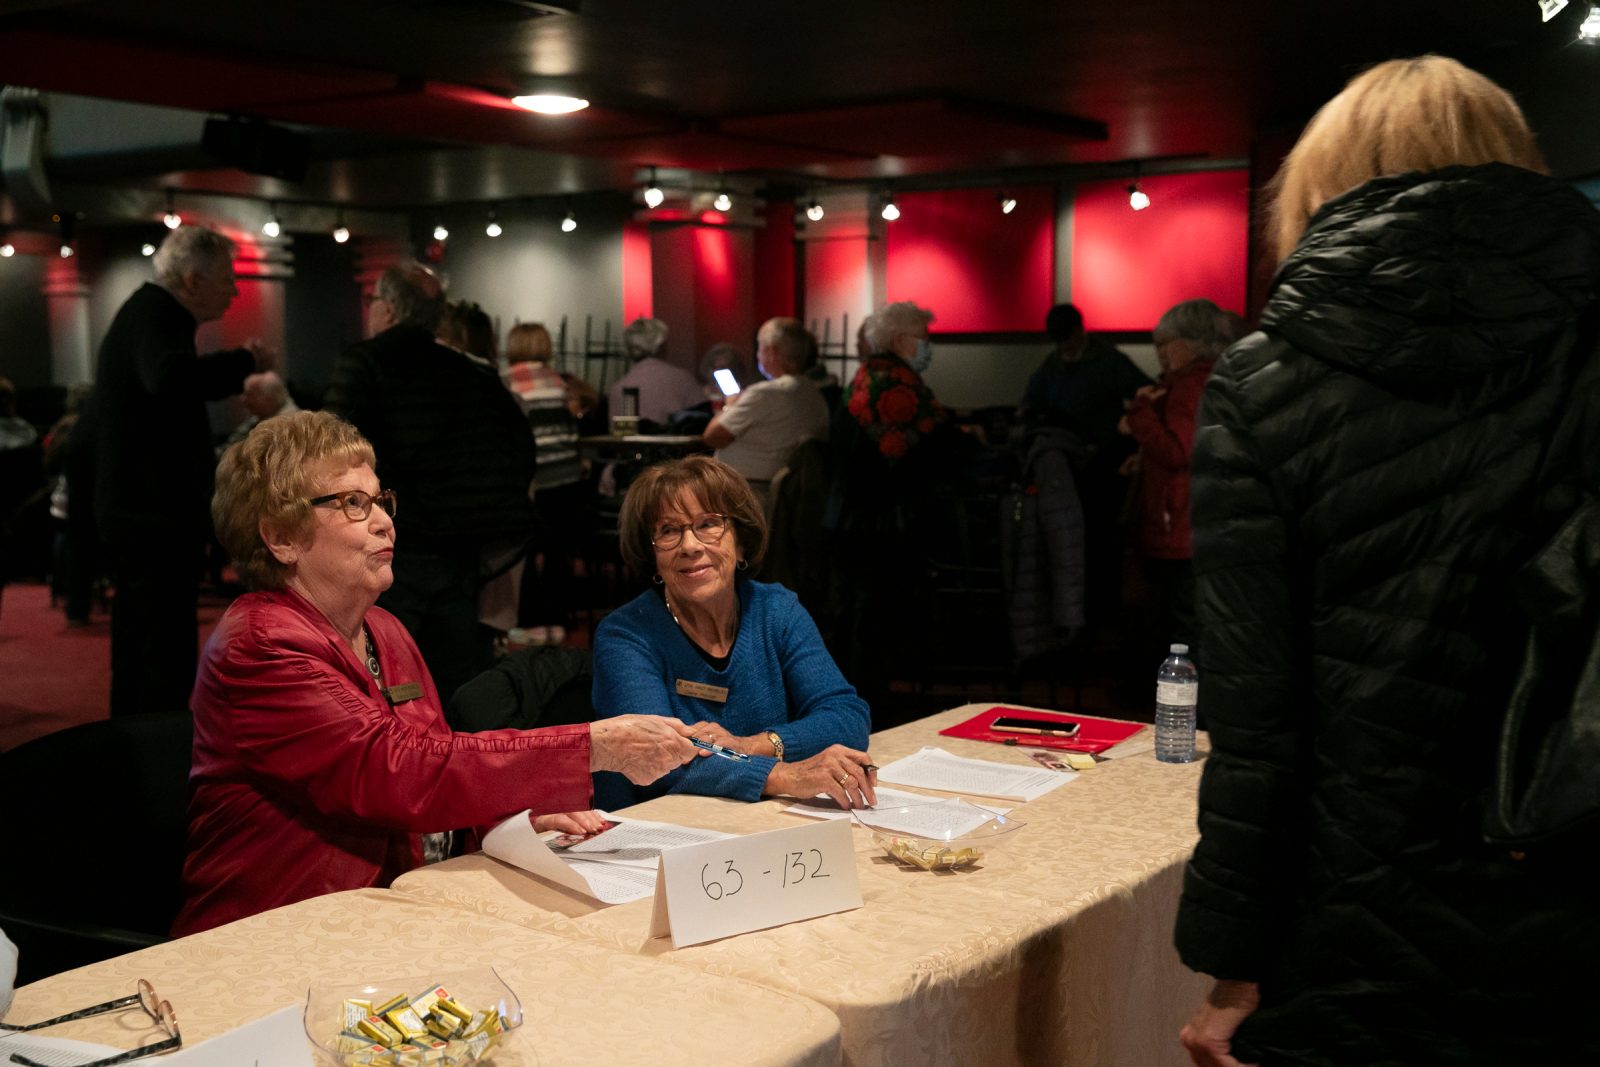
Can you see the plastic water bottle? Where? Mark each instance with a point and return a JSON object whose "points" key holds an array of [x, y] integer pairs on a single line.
{"points": [[1177, 691]]}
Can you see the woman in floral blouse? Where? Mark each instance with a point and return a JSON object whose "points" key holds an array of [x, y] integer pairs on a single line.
{"points": [[888, 397]]}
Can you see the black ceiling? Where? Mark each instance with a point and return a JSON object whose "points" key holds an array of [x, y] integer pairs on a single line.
{"points": [[869, 89]]}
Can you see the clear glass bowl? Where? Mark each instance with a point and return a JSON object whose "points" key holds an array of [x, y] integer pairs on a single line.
{"points": [[942, 836], [478, 990]]}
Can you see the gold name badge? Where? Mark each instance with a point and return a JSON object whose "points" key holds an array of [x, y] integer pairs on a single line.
{"points": [[702, 691], [399, 694]]}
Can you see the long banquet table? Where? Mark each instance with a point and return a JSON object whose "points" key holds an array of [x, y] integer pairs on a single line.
{"points": [[1056, 951], [581, 1004]]}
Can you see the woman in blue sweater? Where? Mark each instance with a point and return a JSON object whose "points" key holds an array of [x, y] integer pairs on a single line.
{"points": [[741, 661]]}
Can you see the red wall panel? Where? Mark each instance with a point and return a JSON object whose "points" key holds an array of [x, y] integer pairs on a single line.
{"points": [[977, 270], [1192, 241]]}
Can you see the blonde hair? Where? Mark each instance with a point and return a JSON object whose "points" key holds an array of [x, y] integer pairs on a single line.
{"points": [[1400, 116], [529, 341], [715, 484], [269, 478]]}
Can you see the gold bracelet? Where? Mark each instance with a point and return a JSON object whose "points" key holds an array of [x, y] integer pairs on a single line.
{"points": [[777, 744]]}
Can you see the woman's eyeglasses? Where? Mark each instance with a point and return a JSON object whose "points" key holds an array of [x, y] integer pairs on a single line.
{"points": [[357, 504], [708, 530], [157, 1009]]}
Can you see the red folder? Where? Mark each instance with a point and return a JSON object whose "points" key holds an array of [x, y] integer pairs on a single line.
{"points": [[1094, 735]]}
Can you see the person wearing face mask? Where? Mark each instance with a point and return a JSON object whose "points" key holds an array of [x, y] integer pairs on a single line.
{"points": [[1161, 418], [760, 426], [889, 400]]}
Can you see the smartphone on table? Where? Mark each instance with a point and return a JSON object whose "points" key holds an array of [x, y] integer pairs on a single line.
{"points": [[1011, 724]]}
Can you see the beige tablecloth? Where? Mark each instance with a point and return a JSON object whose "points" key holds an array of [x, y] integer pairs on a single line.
{"points": [[1056, 951], [582, 1004]]}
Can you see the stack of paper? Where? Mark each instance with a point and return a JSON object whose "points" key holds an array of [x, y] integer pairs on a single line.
{"points": [[615, 866], [934, 768]]}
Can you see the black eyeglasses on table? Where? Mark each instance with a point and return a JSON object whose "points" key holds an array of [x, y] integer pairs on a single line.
{"points": [[159, 1010], [357, 504]]}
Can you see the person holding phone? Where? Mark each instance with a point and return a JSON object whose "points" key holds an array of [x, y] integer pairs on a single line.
{"points": [[740, 662], [759, 427]]}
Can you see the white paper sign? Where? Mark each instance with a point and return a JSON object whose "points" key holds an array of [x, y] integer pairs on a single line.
{"points": [[754, 882]]}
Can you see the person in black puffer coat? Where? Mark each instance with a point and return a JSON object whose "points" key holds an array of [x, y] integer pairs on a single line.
{"points": [[1363, 485]]}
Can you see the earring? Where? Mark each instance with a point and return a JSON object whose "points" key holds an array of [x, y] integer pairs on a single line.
{"points": [[744, 564], [658, 579]]}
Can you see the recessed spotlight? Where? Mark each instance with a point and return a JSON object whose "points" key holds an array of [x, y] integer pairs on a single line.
{"points": [[550, 103], [569, 223]]}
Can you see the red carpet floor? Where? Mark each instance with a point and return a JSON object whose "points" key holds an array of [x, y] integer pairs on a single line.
{"points": [[51, 675]]}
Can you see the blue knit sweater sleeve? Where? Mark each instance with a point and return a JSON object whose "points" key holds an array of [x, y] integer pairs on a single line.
{"points": [[779, 677]]}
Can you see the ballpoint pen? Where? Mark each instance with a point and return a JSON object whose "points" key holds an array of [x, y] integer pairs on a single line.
{"points": [[718, 750]]}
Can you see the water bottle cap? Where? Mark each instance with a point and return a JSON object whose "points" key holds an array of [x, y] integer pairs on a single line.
{"points": [[1180, 650]]}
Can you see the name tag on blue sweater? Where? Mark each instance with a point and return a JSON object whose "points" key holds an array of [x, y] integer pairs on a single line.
{"points": [[703, 691]]}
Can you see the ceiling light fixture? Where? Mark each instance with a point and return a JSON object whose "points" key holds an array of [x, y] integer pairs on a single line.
{"points": [[569, 223], [439, 232], [1138, 199], [814, 210], [1549, 9], [69, 229], [723, 202], [550, 103], [890, 212], [1589, 30], [147, 249], [494, 228], [171, 220], [1008, 203], [653, 196], [341, 232], [8, 250], [271, 228]]}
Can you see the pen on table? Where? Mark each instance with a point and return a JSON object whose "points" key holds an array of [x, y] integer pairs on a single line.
{"points": [[871, 768], [718, 750]]}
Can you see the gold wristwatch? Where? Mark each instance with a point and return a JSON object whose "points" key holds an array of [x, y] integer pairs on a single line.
{"points": [[777, 745]]}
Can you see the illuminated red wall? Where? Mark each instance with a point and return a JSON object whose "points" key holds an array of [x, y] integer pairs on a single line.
{"points": [[774, 267], [637, 286], [977, 270], [1130, 266]]}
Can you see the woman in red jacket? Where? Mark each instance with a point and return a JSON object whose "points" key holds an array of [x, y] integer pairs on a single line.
{"points": [[1161, 418], [321, 754]]}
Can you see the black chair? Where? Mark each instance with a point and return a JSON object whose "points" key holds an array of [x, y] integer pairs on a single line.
{"points": [[105, 806]]}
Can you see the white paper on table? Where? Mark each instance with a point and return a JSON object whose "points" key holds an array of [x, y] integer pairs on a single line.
{"points": [[276, 1040], [822, 806], [55, 1051], [934, 768], [602, 871]]}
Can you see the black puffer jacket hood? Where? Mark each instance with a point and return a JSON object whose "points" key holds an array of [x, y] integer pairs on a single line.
{"points": [[1425, 281]]}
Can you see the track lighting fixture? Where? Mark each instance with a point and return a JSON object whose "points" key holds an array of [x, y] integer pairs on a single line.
{"points": [[147, 249], [723, 202], [1008, 203], [271, 228], [1138, 199], [814, 210], [1549, 9], [550, 103], [341, 232], [569, 223], [890, 212], [171, 220], [7, 250], [439, 232], [493, 229]]}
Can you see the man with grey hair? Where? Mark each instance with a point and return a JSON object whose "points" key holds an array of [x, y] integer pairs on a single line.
{"points": [[662, 387], [150, 437], [264, 396], [453, 444], [758, 428]]}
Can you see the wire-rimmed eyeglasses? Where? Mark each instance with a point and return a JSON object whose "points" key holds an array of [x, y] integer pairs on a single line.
{"points": [[357, 503], [708, 530], [157, 1009]]}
